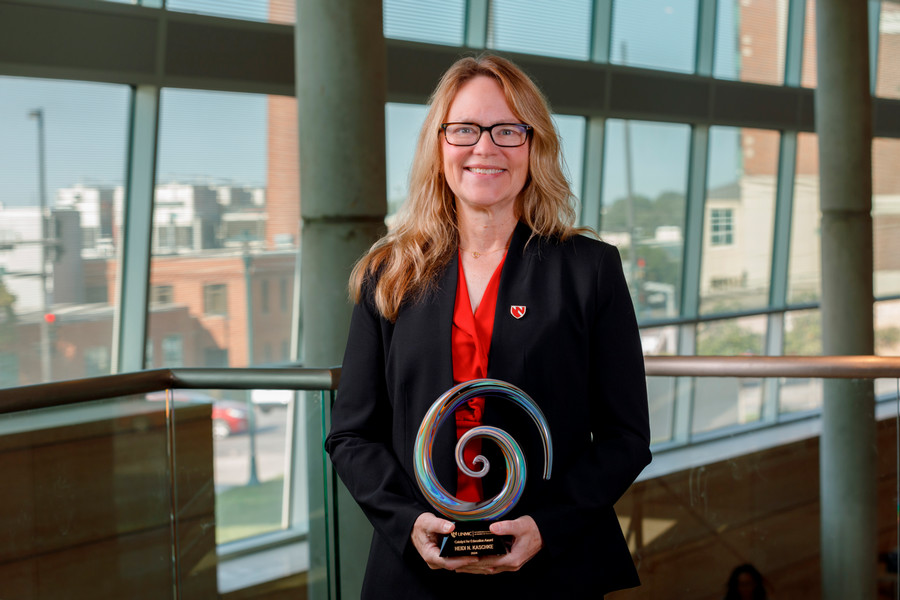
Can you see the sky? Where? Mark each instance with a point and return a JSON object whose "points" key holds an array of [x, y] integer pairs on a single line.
{"points": [[221, 137]]}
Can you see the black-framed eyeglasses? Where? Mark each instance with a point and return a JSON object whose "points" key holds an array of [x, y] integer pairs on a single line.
{"points": [[507, 135]]}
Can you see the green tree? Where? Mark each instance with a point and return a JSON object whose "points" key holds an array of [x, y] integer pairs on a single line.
{"points": [[727, 338], [666, 209], [7, 315], [805, 335]]}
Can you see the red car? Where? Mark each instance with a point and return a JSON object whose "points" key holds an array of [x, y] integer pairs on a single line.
{"points": [[228, 416]]}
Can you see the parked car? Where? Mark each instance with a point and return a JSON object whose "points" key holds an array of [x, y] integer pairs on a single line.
{"points": [[266, 400], [228, 416]]}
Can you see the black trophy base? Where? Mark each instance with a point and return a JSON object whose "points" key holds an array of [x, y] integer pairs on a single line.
{"points": [[474, 538]]}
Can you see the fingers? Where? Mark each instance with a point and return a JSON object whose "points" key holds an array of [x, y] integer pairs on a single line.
{"points": [[526, 543], [426, 533]]}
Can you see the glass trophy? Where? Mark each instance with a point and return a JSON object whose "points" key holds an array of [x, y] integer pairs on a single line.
{"points": [[471, 535]]}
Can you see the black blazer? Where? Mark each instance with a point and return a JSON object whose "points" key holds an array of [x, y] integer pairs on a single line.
{"points": [[576, 352]]}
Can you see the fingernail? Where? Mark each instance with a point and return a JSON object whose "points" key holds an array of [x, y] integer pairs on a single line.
{"points": [[446, 528]]}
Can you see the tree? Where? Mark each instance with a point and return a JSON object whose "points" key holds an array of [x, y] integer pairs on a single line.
{"points": [[727, 338], [666, 209], [7, 315]]}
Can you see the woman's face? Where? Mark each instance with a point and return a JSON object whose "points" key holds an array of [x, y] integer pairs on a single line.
{"points": [[484, 176]]}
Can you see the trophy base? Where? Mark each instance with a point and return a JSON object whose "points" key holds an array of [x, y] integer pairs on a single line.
{"points": [[474, 538]]}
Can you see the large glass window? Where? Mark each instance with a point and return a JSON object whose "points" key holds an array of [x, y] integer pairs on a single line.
{"points": [[403, 122], [887, 328], [226, 220], [886, 215], [888, 78], [738, 228], [267, 11], [62, 169], [644, 189], [750, 41], [657, 34], [808, 71], [434, 21], [805, 268], [227, 206], [549, 27]]}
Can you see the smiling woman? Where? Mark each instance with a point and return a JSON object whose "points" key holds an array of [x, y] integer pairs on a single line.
{"points": [[484, 276]]}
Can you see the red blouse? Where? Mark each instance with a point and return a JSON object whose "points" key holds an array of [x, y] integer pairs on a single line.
{"points": [[471, 344]]}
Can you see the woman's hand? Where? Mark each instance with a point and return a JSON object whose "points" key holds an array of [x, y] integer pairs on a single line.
{"points": [[426, 532], [526, 543]]}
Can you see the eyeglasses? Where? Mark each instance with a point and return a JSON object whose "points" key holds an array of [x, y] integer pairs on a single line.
{"points": [[507, 135]]}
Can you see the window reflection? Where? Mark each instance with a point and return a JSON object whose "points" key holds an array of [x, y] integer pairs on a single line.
{"points": [[739, 219], [63, 149], [644, 188]]}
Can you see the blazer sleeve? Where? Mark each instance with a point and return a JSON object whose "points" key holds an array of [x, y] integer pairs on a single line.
{"points": [[620, 445], [360, 441]]}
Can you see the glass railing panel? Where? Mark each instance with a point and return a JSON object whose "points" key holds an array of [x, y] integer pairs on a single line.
{"points": [[661, 391], [87, 504], [251, 433], [799, 394], [721, 402], [753, 496], [661, 403]]}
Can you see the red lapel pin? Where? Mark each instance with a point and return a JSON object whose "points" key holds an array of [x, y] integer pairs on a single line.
{"points": [[517, 311]]}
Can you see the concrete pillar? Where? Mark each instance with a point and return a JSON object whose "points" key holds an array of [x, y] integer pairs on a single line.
{"points": [[341, 69], [847, 463]]}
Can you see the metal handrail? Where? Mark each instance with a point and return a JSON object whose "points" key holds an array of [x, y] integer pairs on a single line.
{"points": [[61, 393], [824, 367]]}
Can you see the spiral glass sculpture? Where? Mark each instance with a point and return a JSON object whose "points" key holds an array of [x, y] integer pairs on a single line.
{"points": [[516, 474]]}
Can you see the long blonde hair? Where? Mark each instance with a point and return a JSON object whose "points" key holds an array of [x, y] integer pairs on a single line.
{"points": [[410, 257]]}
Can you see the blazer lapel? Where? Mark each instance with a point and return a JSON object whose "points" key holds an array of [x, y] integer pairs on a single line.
{"points": [[440, 362], [510, 333]]}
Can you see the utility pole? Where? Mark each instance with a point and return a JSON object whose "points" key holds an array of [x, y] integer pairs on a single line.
{"points": [[46, 374], [253, 478]]}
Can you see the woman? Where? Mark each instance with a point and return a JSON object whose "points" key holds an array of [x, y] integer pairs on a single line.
{"points": [[745, 583], [484, 275]]}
